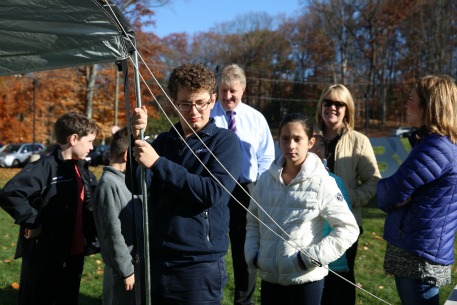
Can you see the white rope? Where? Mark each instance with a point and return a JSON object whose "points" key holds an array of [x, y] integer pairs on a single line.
{"points": [[294, 243]]}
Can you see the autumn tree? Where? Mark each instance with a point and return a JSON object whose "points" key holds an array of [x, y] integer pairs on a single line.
{"points": [[139, 13], [57, 91], [205, 48], [430, 39], [377, 39], [90, 90], [251, 42], [376, 47], [16, 109], [312, 55]]}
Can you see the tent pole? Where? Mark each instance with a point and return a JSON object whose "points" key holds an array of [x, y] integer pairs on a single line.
{"points": [[147, 272]]}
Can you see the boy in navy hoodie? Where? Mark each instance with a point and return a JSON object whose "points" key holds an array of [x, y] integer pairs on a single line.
{"points": [[190, 172]]}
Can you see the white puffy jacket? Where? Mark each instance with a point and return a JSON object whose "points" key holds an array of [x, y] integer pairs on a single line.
{"points": [[300, 209]]}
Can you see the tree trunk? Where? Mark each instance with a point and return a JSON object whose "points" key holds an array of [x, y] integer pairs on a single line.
{"points": [[91, 75]]}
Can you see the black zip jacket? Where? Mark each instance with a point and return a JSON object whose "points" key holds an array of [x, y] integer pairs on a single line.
{"points": [[44, 193]]}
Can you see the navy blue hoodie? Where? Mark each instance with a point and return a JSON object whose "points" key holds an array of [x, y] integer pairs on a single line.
{"points": [[188, 208]]}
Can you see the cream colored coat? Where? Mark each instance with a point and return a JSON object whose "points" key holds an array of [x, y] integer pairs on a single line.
{"points": [[300, 208], [355, 163]]}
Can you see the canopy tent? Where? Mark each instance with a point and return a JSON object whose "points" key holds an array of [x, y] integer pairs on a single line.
{"points": [[49, 34]]}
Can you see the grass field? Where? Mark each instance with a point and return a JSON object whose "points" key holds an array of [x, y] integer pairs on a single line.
{"points": [[369, 271]]}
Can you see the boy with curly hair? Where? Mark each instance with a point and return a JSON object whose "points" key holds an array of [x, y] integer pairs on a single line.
{"points": [[190, 172]]}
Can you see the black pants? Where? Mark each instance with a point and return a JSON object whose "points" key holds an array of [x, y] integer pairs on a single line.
{"points": [[336, 290], [303, 294], [245, 277], [50, 282], [188, 284]]}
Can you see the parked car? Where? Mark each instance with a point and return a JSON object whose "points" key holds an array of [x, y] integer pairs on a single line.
{"points": [[403, 132], [15, 155], [96, 154]]}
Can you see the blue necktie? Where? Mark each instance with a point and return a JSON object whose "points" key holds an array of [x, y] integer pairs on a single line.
{"points": [[232, 122]]}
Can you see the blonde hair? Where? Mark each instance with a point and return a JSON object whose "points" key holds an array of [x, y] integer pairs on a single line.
{"points": [[438, 97], [232, 73], [341, 93]]}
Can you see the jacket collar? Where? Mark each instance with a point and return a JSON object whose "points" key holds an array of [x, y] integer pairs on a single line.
{"points": [[312, 166], [208, 130], [57, 156]]}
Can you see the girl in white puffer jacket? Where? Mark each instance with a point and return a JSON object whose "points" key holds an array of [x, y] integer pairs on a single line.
{"points": [[298, 194]]}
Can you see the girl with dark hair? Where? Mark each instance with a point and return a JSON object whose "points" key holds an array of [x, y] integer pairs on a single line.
{"points": [[298, 195]]}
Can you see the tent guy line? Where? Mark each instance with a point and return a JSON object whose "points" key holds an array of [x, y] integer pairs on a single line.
{"points": [[295, 243], [290, 241]]}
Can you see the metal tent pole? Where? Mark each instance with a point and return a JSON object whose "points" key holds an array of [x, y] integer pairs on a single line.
{"points": [[147, 272]]}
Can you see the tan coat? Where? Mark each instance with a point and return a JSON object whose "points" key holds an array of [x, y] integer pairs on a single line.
{"points": [[356, 164]]}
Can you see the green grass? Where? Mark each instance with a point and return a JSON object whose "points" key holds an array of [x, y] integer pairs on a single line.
{"points": [[368, 268], [91, 283], [369, 272], [370, 256], [230, 287], [9, 268]]}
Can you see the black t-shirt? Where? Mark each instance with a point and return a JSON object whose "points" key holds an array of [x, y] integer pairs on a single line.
{"points": [[331, 146]]}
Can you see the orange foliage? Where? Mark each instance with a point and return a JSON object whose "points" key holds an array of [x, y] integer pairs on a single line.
{"points": [[63, 90]]}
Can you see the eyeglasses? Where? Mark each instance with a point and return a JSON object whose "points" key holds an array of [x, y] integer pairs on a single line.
{"points": [[200, 106], [330, 103]]}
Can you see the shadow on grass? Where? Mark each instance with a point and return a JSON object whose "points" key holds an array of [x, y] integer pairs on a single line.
{"points": [[371, 210], [9, 296], [87, 300]]}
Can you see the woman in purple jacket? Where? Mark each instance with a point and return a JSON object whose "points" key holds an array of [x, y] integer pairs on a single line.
{"points": [[420, 199]]}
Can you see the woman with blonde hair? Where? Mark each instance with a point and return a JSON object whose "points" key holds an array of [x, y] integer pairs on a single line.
{"points": [[350, 156], [420, 199]]}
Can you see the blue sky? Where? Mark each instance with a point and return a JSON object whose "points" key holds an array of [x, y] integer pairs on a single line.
{"points": [[193, 16]]}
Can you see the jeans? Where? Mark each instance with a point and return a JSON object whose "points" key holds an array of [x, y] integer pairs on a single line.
{"points": [[415, 292]]}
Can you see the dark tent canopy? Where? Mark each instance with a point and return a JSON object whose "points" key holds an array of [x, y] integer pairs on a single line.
{"points": [[49, 34]]}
